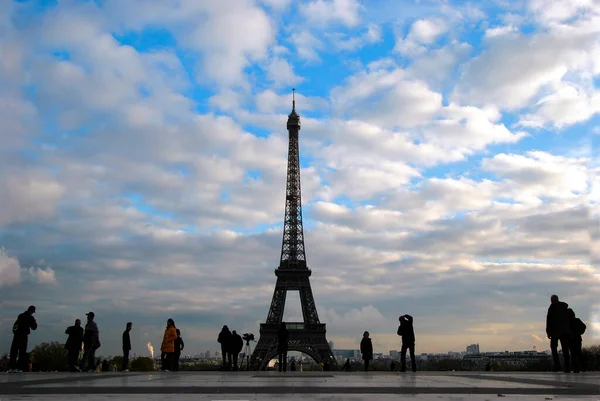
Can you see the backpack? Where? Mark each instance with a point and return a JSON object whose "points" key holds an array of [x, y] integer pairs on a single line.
{"points": [[578, 326], [16, 327]]}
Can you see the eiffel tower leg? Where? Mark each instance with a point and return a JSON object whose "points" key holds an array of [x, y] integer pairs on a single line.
{"points": [[309, 309], [278, 303], [260, 352]]}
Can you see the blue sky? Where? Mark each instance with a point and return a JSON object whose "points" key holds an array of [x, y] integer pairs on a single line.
{"points": [[446, 152]]}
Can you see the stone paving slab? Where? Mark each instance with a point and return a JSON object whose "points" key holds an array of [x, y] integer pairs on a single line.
{"points": [[272, 385]]}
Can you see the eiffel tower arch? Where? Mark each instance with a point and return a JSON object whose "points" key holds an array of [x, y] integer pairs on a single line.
{"points": [[293, 274]]}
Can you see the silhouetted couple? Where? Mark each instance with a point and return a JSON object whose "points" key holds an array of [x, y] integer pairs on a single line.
{"points": [[231, 346], [563, 326], [171, 347]]}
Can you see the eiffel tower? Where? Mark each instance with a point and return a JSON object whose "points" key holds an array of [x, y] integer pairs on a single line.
{"points": [[293, 274]]}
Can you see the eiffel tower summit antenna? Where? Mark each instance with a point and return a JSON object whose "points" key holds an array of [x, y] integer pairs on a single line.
{"points": [[307, 336]]}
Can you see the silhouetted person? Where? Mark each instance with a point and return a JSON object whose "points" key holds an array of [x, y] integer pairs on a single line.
{"points": [[558, 328], [406, 330], [283, 336], [168, 344], [237, 344], [577, 329], [392, 366], [366, 349], [488, 367], [22, 327], [105, 367], [91, 342], [178, 348], [346, 367], [126, 346], [293, 366], [73, 344], [225, 340]]}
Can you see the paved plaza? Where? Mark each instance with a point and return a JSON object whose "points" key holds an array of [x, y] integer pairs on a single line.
{"points": [[475, 386]]}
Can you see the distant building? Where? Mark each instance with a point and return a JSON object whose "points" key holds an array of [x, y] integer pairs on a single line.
{"points": [[331, 345], [473, 349], [346, 353], [207, 354], [394, 354]]}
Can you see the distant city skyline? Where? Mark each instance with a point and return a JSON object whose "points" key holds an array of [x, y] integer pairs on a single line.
{"points": [[448, 160]]}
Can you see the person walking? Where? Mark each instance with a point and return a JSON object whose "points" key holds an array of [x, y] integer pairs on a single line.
{"points": [[366, 349], [91, 342], [168, 344], [73, 345], [225, 340], [283, 336], [178, 348], [237, 344], [126, 340], [558, 329], [407, 332], [21, 329], [577, 330]]}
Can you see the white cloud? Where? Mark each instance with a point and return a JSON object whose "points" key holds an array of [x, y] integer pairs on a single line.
{"points": [[10, 270], [423, 32], [567, 105], [43, 276], [500, 31], [280, 72], [306, 45], [323, 12], [529, 64], [355, 42]]}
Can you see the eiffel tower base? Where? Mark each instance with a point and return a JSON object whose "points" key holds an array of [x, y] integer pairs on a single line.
{"points": [[306, 338]]}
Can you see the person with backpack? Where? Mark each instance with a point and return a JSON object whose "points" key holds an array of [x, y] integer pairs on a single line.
{"points": [[558, 328], [21, 329], [178, 348], [224, 339], [73, 345], [237, 344], [91, 342], [577, 330]]}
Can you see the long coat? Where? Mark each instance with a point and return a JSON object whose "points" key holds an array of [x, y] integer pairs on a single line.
{"points": [[168, 343]]}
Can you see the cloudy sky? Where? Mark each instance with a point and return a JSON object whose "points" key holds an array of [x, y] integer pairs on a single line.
{"points": [[448, 153]]}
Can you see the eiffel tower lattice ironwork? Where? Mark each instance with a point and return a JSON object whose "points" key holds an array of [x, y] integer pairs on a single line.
{"points": [[293, 275]]}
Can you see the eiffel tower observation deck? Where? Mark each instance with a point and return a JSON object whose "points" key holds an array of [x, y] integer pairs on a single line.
{"points": [[293, 274]]}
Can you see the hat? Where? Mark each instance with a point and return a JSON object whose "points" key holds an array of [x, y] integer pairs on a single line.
{"points": [[91, 314], [31, 309]]}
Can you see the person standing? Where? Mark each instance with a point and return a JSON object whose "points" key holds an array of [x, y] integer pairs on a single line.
{"points": [[558, 328], [168, 344], [577, 330], [73, 345], [21, 329], [366, 349], [178, 348], [407, 331], [283, 336], [237, 344], [225, 340], [126, 346], [91, 342]]}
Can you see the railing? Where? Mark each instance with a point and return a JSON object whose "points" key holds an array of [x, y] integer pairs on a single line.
{"points": [[292, 326]]}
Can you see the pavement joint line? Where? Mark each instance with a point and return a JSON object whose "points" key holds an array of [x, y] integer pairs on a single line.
{"points": [[295, 390], [542, 382]]}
